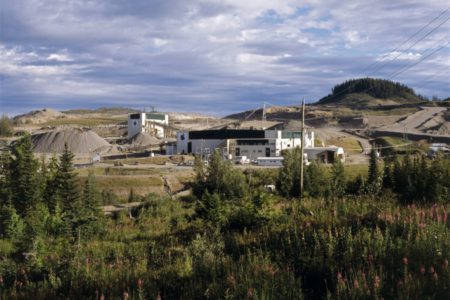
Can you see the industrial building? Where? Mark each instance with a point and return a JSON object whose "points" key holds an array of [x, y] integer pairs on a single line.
{"points": [[252, 143], [152, 123]]}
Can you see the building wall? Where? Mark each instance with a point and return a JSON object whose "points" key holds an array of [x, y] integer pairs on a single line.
{"points": [[146, 125], [273, 144]]}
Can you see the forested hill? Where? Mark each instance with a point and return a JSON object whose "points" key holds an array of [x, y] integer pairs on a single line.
{"points": [[370, 91]]}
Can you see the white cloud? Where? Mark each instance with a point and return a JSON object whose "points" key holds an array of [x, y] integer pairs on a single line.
{"points": [[188, 50]]}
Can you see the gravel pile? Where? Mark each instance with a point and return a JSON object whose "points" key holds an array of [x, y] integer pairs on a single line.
{"points": [[78, 141], [144, 140]]}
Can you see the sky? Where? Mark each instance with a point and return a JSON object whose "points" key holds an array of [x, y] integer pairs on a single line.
{"points": [[213, 57]]}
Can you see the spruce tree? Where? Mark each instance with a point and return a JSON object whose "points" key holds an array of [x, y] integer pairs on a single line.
{"points": [[92, 218], [51, 184], [373, 167], [23, 171], [288, 181], [338, 180], [67, 190]]}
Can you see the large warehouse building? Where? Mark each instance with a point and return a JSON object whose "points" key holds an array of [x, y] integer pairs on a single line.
{"points": [[239, 142]]}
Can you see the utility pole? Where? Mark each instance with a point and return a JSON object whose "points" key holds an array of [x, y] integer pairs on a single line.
{"points": [[264, 116], [302, 148]]}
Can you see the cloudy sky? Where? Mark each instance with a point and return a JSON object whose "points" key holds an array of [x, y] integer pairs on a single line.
{"points": [[213, 56]]}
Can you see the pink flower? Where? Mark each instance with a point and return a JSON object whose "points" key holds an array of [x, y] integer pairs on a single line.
{"points": [[376, 281], [102, 297], [250, 293], [339, 276], [356, 284], [125, 295], [422, 270], [405, 261], [158, 297], [445, 264], [140, 282], [431, 270]]}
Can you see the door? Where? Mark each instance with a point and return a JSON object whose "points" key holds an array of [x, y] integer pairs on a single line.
{"points": [[189, 147], [267, 152]]}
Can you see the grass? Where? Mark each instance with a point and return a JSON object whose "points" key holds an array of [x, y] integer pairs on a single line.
{"points": [[350, 145], [399, 146], [87, 122]]}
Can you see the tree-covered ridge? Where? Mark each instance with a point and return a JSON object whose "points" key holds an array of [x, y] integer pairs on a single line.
{"points": [[377, 88]]}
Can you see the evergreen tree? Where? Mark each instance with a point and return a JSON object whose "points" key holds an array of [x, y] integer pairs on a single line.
{"points": [[288, 181], [6, 126], [67, 190], [91, 221], [338, 180], [317, 182], [23, 181], [373, 167], [5, 182], [374, 178], [51, 184]]}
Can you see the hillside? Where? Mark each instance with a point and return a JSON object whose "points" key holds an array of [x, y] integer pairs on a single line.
{"points": [[366, 92]]}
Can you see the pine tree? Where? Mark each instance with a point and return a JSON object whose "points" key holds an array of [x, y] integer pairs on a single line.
{"points": [[288, 181], [373, 167], [5, 182], [338, 180], [23, 171], [67, 190], [91, 221], [51, 196]]}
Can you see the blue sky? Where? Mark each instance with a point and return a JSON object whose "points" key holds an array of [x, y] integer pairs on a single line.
{"points": [[213, 57]]}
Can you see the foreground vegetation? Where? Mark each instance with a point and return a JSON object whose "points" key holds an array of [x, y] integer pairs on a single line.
{"points": [[368, 237]]}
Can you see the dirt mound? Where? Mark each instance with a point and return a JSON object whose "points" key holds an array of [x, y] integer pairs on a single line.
{"points": [[78, 141], [144, 140], [39, 116]]}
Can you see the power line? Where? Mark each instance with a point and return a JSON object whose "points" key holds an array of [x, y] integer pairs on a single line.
{"points": [[407, 40], [415, 43], [426, 35]]}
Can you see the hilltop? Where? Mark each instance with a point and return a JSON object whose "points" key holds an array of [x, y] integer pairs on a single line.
{"points": [[367, 92]]}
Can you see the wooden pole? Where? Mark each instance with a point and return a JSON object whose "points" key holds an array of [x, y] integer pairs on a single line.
{"points": [[302, 150]]}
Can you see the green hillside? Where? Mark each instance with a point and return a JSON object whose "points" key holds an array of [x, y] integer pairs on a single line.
{"points": [[371, 92]]}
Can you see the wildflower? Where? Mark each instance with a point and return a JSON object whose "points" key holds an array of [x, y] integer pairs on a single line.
{"points": [[422, 270], [339, 276], [140, 282], [250, 293], [431, 270], [435, 276], [102, 297], [376, 281], [125, 295], [405, 261], [422, 225], [158, 297], [370, 258], [445, 264], [1, 280], [356, 284]]}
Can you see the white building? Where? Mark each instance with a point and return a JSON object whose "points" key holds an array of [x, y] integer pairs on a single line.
{"points": [[238, 142], [325, 154], [152, 123]]}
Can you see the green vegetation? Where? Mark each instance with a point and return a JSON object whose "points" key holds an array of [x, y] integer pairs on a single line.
{"points": [[382, 234], [88, 122], [6, 126], [394, 145], [366, 90]]}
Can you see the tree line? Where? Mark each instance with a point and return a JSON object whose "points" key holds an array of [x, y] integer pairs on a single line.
{"points": [[40, 199], [378, 88]]}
